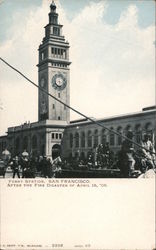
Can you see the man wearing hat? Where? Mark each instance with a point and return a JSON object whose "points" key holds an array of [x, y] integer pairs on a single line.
{"points": [[148, 152], [126, 159], [15, 166]]}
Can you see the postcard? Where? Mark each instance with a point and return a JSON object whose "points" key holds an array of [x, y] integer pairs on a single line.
{"points": [[77, 130]]}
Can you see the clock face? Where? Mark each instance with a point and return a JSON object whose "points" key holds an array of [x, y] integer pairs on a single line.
{"points": [[59, 81]]}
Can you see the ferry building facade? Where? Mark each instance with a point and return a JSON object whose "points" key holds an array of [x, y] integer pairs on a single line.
{"points": [[53, 133]]}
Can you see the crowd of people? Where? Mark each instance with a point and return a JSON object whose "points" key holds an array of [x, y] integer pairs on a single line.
{"points": [[26, 166], [141, 159], [127, 160]]}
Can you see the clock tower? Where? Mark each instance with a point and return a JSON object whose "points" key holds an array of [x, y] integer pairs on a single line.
{"points": [[53, 72]]}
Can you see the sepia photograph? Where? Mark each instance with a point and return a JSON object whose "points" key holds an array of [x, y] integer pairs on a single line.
{"points": [[77, 124], [82, 107]]}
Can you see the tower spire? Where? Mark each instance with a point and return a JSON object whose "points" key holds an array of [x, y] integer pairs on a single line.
{"points": [[53, 6], [53, 16]]}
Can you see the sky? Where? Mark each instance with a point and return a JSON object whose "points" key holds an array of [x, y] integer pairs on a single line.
{"points": [[112, 50]]}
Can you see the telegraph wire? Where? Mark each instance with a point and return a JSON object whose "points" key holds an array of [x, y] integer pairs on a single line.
{"points": [[73, 109]]}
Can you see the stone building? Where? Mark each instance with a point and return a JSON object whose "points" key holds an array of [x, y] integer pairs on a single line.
{"points": [[53, 132], [83, 136]]}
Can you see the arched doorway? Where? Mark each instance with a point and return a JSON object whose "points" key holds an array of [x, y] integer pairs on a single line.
{"points": [[56, 151]]}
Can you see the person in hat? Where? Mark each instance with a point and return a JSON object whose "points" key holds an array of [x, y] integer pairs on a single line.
{"points": [[15, 166], [147, 152], [24, 165], [6, 156], [46, 167], [25, 154], [126, 156]]}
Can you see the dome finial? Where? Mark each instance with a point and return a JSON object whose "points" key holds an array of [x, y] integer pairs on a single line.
{"points": [[53, 6]]}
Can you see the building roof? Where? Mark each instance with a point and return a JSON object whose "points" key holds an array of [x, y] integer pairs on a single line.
{"points": [[111, 118]]}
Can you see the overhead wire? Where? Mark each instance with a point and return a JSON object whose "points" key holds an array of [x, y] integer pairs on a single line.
{"points": [[73, 109]]}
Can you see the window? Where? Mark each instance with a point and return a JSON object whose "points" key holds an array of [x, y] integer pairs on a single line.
{"points": [[77, 155], [25, 143], [64, 54], [111, 138], [103, 137], [82, 139], [56, 136], [59, 95], [56, 31], [71, 140], [96, 138], [53, 19], [34, 141], [138, 137], [119, 140], [76, 140], [138, 133], [149, 131], [42, 56], [59, 118], [17, 145], [61, 53], [119, 137], [60, 136], [5, 144], [128, 128], [47, 32], [53, 106], [89, 139], [82, 156], [52, 135]]}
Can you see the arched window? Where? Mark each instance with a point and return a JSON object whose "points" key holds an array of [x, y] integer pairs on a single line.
{"points": [[83, 139], [82, 156], [111, 138], [34, 141], [128, 128], [89, 139], [103, 136], [70, 156], [119, 137], [149, 130], [17, 145], [77, 140], [25, 143], [76, 155], [71, 140], [42, 149], [138, 133], [95, 138]]}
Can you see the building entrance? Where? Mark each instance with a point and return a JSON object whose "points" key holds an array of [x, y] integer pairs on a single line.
{"points": [[56, 151]]}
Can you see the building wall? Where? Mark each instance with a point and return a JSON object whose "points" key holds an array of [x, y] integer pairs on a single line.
{"points": [[3, 143], [81, 138], [31, 140], [37, 138], [77, 138]]}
